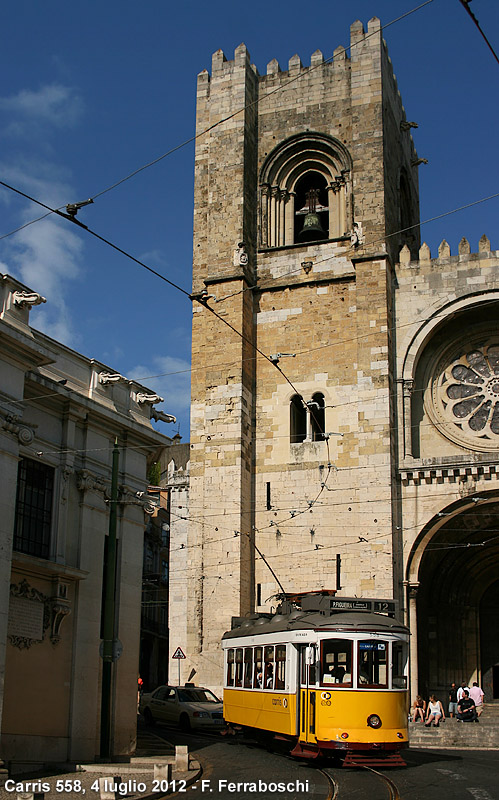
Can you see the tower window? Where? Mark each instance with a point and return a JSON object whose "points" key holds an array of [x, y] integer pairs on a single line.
{"points": [[307, 420], [317, 417], [298, 420]]}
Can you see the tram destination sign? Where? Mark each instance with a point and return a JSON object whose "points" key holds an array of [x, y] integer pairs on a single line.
{"points": [[357, 604]]}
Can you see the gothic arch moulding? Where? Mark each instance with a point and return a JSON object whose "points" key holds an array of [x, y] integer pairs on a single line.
{"points": [[306, 161]]}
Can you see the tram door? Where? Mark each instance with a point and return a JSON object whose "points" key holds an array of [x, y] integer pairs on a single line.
{"points": [[307, 697]]}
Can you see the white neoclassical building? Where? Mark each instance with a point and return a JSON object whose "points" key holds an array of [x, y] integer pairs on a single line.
{"points": [[60, 414]]}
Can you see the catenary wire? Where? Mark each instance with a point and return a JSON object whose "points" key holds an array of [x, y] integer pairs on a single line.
{"points": [[465, 4], [246, 107]]}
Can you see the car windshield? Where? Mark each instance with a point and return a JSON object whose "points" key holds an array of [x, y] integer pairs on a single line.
{"points": [[197, 696]]}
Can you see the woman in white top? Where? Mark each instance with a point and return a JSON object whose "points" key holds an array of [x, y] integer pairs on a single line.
{"points": [[434, 712]]}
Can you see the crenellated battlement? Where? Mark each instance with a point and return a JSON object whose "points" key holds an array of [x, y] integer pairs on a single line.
{"points": [[359, 40], [444, 253]]}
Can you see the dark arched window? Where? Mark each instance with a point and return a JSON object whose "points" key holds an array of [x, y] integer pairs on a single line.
{"points": [[297, 420], [317, 417]]}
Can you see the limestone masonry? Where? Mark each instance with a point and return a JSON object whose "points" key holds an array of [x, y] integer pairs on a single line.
{"points": [[336, 423]]}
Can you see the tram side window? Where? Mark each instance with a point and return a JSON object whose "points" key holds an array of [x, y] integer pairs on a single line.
{"points": [[230, 667], [248, 667], [269, 667], [258, 677], [280, 666], [399, 660], [336, 662], [239, 667], [372, 669]]}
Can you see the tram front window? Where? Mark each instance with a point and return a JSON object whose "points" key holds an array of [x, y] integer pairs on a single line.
{"points": [[399, 661], [336, 662], [372, 667]]}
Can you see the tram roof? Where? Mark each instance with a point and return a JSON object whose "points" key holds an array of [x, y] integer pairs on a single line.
{"points": [[310, 620]]}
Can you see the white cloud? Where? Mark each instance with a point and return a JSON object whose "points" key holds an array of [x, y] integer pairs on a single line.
{"points": [[41, 179], [53, 104], [46, 255], [154, 258]]}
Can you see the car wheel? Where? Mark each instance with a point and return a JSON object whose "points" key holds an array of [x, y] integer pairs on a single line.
{"points": [[149, 719], [184, 723]]}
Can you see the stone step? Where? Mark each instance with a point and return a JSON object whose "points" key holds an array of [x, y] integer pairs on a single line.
{"points": [[454, 734]]}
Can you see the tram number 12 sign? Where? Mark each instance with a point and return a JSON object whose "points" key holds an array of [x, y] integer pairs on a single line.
{"points": [[179, 653]]}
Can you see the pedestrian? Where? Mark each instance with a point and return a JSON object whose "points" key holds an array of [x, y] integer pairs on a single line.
{"points": [[418, 709], [140, 688], [466, 711], [434, 712], [477, 696], [460, 691], [452, 709]]}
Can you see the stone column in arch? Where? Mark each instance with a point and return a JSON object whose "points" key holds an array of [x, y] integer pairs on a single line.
{"points": [[412, 623], [289, 218], [274, 218], [407, 388], [334, 221], [264, 215]]}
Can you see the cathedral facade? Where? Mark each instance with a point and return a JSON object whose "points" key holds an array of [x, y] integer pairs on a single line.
{"points": [[345, 383]]}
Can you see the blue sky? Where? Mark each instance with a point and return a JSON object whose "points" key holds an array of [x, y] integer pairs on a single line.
{"points": [[93, 91]]}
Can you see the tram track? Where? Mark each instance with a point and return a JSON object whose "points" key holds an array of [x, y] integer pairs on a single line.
{"points": [[341, 783], [346, 783]]}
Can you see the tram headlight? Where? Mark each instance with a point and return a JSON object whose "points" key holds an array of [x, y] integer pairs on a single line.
{"points": [[374, 721], [344, 735]]}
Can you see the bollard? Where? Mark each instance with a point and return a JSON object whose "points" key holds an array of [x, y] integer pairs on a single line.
{"points": [[108, 787], [163, 772], [182, 757]]}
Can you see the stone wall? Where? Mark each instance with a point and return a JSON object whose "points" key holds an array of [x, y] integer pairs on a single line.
{"points": [[331, 502]]}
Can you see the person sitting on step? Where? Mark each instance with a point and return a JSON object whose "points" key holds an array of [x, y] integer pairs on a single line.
{"points": [[418, 709], [434, 712], [466, 709]]}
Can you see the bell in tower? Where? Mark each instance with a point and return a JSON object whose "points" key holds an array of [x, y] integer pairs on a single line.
{"points": [[312, 230]]}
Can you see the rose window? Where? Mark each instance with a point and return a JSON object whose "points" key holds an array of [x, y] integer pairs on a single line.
{"points": [[466, 393]]}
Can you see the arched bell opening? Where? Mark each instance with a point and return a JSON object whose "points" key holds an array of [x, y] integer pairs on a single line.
{"points": [[306, 163], [311, 208], [458, 599]]}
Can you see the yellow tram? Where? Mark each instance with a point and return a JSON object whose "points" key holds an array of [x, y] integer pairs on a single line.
{"points": [[329, 680]]}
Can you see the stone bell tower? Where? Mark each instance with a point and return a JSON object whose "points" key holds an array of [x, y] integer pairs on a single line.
{"points": [[305, 189]]}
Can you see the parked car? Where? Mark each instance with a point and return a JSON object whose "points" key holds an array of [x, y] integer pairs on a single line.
{"points": [[187, 706]]}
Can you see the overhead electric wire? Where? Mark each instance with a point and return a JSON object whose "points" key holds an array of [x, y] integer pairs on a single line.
{"points": [[237, 332], [298, 270], [246, 107], [466, 5]]}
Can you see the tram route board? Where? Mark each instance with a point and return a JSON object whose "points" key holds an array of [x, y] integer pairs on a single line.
{"points": [[347, 604]]}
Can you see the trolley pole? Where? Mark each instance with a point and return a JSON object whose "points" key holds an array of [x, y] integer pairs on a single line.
{"points": [[109, 613]]}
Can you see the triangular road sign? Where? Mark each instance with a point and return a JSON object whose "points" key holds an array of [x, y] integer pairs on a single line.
{"points": [[179, 653]]}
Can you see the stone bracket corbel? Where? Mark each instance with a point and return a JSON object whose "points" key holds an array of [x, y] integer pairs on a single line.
{"points": [[27, 299]]}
